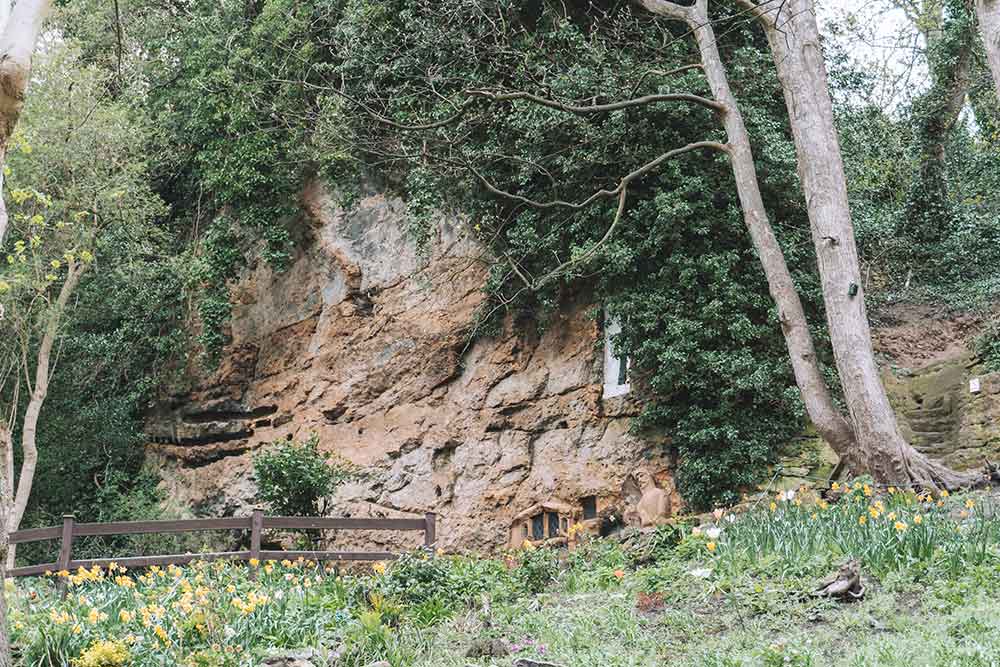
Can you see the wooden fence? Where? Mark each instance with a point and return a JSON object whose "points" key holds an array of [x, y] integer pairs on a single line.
{"points": [[256, 523]]}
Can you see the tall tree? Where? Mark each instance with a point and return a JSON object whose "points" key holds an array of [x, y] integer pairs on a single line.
{"points": [[20, 28], [794, 325], [79, 185], [880, 448]]}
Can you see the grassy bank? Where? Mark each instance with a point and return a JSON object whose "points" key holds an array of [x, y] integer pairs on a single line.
{"points": [[734, 592]]}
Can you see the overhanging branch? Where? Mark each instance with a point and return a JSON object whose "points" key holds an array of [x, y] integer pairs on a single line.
{"points": [[603, 193], [599, 108], [621, 191]]}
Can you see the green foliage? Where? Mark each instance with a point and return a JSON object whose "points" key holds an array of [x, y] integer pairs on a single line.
{"points": [[744, 603], [922, 191], [250, 99], [536, 569], [209, 268], [121, 496], [679, 272], [82, 155], [895, 531], [415, 578], [988, 346], [296, 479]]}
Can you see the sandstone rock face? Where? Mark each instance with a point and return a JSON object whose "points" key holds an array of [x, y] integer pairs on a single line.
{"points": [[366, 344], [929, 374], [943, 417]]}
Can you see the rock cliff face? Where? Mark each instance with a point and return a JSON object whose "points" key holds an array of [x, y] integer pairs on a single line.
{"points": [[367, 345], [950, 411]]}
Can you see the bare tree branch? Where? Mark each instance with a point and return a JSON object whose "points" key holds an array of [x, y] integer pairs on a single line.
{"points": [[603, 193], [600, 108]]}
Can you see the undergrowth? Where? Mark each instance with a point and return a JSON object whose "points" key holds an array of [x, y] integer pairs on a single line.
{"points": [[735, 591]]}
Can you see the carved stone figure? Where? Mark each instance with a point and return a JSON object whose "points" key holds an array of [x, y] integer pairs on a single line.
{"points": [[654, 506]]}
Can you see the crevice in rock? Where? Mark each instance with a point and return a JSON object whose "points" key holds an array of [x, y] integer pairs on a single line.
{"points": [[202, 440], [442, 456], [208, 458], [209, 416], [334, 414]]}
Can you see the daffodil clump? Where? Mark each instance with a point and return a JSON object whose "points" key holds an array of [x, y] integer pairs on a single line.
{"points": [[230, 614], [180, 615], [887, 529]]}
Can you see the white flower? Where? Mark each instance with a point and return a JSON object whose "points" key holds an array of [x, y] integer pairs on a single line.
{"points": [[701, 573], [789, 494], [713, 533], [731, 518]]}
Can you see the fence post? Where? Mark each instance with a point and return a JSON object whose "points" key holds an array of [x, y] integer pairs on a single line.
{"points": [[65, 551], [256, 527], [430, 530]]}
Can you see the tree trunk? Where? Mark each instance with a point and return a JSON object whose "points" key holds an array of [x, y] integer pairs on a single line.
{"points": [[20, 32], [880, 448], [29, 428], [6, 468], [828, 420], [6, 659], [988, 12]]}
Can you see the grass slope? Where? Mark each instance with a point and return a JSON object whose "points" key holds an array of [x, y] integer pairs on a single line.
{"points": [[733, 593]]}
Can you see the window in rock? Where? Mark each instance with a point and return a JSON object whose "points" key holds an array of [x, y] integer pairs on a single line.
{"points": [[589, 504], [616, 380], [553, 524], [538, 527]]}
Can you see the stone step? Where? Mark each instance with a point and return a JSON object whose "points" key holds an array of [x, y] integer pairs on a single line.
{"points": [[933, 435], [929, 412], [931, 421]]}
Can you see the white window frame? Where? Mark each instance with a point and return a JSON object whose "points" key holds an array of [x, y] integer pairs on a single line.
{"points": [[613, 363]]}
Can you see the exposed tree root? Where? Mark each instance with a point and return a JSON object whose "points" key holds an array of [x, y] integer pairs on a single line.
{"points": [[844, 585]]}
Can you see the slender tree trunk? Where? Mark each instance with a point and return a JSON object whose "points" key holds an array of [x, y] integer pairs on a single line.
{"points": [[4, 220], [988, 12], [820, 407], [19, 35], [881, 450], [6, 469], [29, 428]]}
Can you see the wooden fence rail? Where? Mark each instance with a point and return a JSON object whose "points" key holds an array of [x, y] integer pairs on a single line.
{"points": [[256, 523]]}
